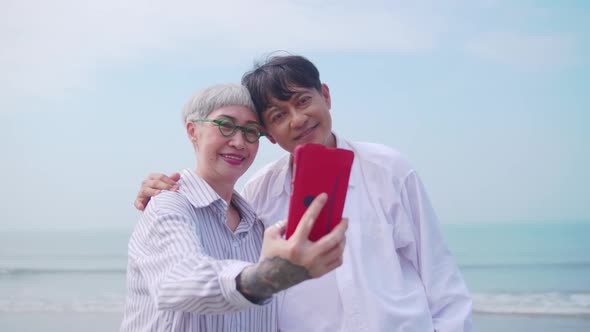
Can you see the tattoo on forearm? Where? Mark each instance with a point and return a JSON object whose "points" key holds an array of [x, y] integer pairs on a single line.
{"points": [[261, 281]]}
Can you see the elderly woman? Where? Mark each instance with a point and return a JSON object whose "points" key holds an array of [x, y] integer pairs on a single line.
{"points": [[199, 259]]}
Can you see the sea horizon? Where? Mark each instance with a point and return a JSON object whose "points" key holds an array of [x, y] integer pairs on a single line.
{"points": [[522, 273]]}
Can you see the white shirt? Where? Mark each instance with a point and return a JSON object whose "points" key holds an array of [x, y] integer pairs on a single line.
{"points": [[397, 275], [183, 263]]}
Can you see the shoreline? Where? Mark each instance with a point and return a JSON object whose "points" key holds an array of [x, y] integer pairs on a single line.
{"points": [[101, 322]]}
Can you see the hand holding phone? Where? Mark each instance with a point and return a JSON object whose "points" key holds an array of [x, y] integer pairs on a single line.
{"points": [[318, 169]]}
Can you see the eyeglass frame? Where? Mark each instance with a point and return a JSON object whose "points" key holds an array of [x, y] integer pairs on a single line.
{"points": [[243, 129]]}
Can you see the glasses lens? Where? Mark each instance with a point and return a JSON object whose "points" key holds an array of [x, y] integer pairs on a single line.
{"points": [[227, 127], [252, 133]]}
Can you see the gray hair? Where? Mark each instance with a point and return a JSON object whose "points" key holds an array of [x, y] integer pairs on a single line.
{"points": [[214, 97]]}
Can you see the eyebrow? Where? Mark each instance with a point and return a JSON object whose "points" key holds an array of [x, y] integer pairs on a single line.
{"points": [[298, 94], [272, 107], [223, 116]]}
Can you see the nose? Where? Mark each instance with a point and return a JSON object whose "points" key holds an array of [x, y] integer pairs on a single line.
{"points": [[299, 119], [237, 141]]}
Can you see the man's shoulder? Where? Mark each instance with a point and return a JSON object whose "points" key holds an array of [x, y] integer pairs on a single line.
{"points": [[381, 157], [268, 173]]}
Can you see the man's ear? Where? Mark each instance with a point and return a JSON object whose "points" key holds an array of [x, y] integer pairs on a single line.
{"points": [[270, 138], [326, 94], [191, 131]]}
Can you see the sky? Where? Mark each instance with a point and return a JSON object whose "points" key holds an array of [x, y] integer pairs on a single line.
{"points": [[488, 99]]}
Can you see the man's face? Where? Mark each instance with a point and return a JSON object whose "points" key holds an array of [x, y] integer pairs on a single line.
{"points": [[305, 118]]}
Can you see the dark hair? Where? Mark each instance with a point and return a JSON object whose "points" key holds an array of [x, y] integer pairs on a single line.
{"points": [[277, 76]]}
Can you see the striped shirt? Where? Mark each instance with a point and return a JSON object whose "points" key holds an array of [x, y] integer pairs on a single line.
{"points": [[183, 262]]}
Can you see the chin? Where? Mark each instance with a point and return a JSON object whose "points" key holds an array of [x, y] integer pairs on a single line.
{"points": [[322, 139], [238, 172]]}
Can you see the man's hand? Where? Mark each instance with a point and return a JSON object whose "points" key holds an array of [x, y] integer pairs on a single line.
{"points": [[285, 263], [153, 185]]}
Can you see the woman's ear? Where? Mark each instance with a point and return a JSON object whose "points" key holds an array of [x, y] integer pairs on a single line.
{"points": [[191, 131]]}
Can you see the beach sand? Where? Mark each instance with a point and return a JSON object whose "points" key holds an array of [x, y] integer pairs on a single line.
{"points": [[515, 323], [60, 322], [104, 322]]}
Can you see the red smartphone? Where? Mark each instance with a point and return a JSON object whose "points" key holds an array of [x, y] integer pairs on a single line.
{"points": [[318, 169]]}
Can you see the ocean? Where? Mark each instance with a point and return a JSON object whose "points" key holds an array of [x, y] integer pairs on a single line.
{"points": [[523, 277]]}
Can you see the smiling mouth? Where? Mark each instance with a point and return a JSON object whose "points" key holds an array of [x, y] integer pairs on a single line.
{"points": [[238, 158], [306, 132], [233, 159]]}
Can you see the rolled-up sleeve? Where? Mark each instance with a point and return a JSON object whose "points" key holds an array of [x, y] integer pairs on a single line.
{"points": [[448, 298], [180, 276]]}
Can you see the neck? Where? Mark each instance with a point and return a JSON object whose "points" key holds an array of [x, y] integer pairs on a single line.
{"points": [[224, 189], [330, 142]]}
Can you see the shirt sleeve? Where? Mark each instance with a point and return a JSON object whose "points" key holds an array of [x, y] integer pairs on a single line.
{"points": [[179, 275], [448, 297]]}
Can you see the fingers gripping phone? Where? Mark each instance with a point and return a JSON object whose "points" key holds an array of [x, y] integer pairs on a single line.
{"points": [[318, 169]]}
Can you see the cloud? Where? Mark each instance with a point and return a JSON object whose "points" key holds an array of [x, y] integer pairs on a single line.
{"points": [[53, 49], [50, 48], [523, 50]]}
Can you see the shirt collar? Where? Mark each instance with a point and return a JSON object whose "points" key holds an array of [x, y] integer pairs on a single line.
{"points": [[283, 166], [282, 183], [341, 143], [200, 195]]}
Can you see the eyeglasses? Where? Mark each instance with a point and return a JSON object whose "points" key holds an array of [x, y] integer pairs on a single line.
{"points": [[227, 128]]}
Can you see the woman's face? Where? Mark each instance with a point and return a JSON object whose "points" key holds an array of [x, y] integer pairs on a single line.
{"points": [[223, 159]]}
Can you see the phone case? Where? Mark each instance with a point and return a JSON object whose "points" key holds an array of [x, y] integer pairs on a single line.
{"points": [[318, 169]]}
